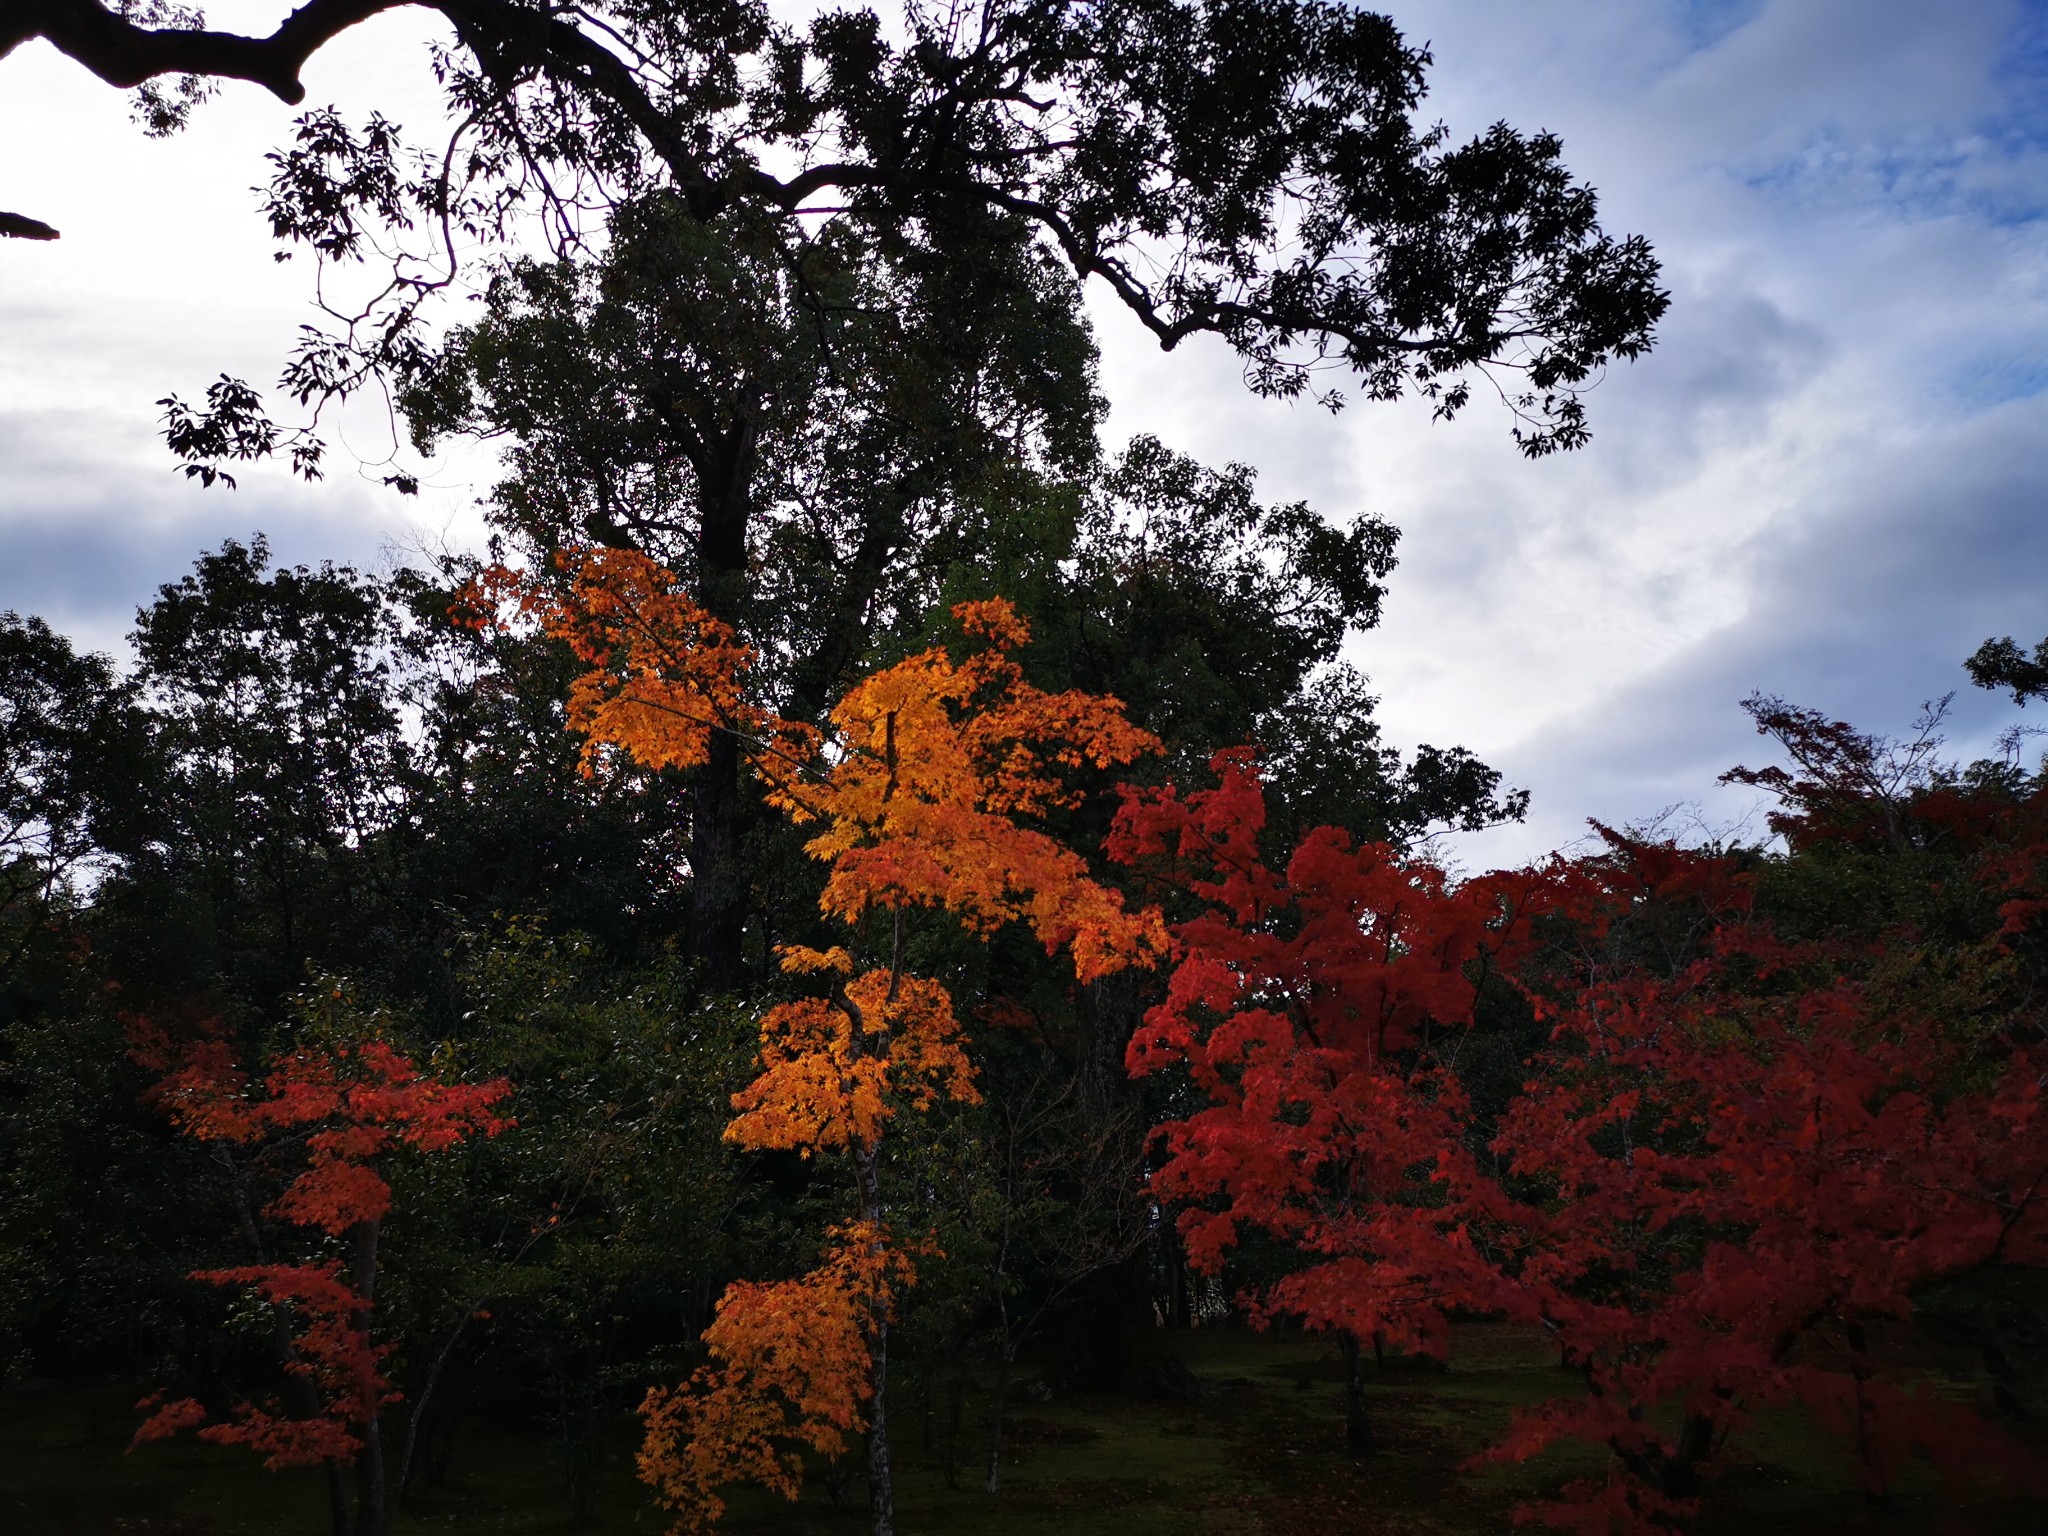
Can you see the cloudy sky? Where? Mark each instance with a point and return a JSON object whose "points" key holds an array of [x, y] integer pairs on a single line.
{"points": [[1830, 481]]}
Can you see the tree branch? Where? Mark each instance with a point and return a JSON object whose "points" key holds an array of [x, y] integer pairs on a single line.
{"points": [[22, 227], [125, 55], [501, 31]]}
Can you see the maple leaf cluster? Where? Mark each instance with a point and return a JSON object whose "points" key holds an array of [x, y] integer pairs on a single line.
{"points": [[1715, 1182], [331, 1351], [661, 673], [789, 1370], [833, 1070], [345, 1107], [941, 765]]}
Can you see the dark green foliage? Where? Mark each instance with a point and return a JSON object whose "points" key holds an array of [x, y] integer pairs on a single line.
{"points": [[1252, 170], [2003, 664], [72, 757], [272, 715]]}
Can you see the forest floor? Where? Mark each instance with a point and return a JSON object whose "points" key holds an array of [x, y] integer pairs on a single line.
{"points": [[1260, 1453]]}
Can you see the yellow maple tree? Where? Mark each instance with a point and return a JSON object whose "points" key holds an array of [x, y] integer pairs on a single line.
{"points": [[938, 764], [662, 674], [928, 791]]}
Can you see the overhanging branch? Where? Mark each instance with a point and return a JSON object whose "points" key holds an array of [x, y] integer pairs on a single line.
{"points": [[125, 55], [21, 227]]}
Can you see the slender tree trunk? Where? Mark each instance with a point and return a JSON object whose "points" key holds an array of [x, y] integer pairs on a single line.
{"points": [[816, 678], [956, 1394], [718, 886], [370, 1501], [1866, 1452], [881, 1484], [881, 1481], [995, 1424], [1358, 1435], [1681, 1479], [339, 1520], [306, 1397], [419, 1407], [1181, 1312]]}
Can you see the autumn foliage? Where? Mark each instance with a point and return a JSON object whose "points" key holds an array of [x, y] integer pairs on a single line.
{"points": [[789, 1373], [928, 792], [1726, 1177], [661, 674], [1735, 1162], [1303, 1005], [941, 768], [337, 1112]]}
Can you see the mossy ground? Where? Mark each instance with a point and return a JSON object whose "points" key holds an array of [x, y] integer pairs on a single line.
{"points": [[1261, 1453]]}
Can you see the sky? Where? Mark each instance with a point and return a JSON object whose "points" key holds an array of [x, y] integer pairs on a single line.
{"points": [[1829, 481]]}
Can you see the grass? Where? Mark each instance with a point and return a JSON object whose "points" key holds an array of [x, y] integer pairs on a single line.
{"points": [[1261, 1455]]}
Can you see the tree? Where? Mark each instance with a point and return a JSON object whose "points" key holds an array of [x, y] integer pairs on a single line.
{"points": [[1316, 1011], [1732, 1165], [271, 705], [924, 797], [788, 432], [72, 749], [1735, 1160], [2002, 663], [346, 1107], [1845, 783], [1220, 621], [563, 1265], [1248, 169]]}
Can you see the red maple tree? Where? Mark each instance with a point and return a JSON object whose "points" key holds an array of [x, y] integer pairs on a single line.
{"points": [[1725, 1177], [1310, 1006], [336, 1112], [1728, 1166]]}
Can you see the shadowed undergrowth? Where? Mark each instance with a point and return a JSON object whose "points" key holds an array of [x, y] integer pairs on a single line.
{"points": [[1261, 1452]]}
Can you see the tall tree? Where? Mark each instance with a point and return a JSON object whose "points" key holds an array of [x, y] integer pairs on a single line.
{"points": [[71, 763], [926, 795], [1248, 169], [790, 435]]}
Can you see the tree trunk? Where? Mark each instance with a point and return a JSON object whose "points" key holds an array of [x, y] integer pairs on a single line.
{"points": [[419, 1407], [305, 1396], [881, 1485], [1866, 1450], [995, 1426], [816, 678], [718, 886], [955, 1400], [337, 1499], [1358, 1435], [1675, 1474], [719, 805], [370, 1501]]}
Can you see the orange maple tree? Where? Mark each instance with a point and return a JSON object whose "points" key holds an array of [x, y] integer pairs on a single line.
{"points": [[661, 672], [338, 1111], [928, 791]]}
